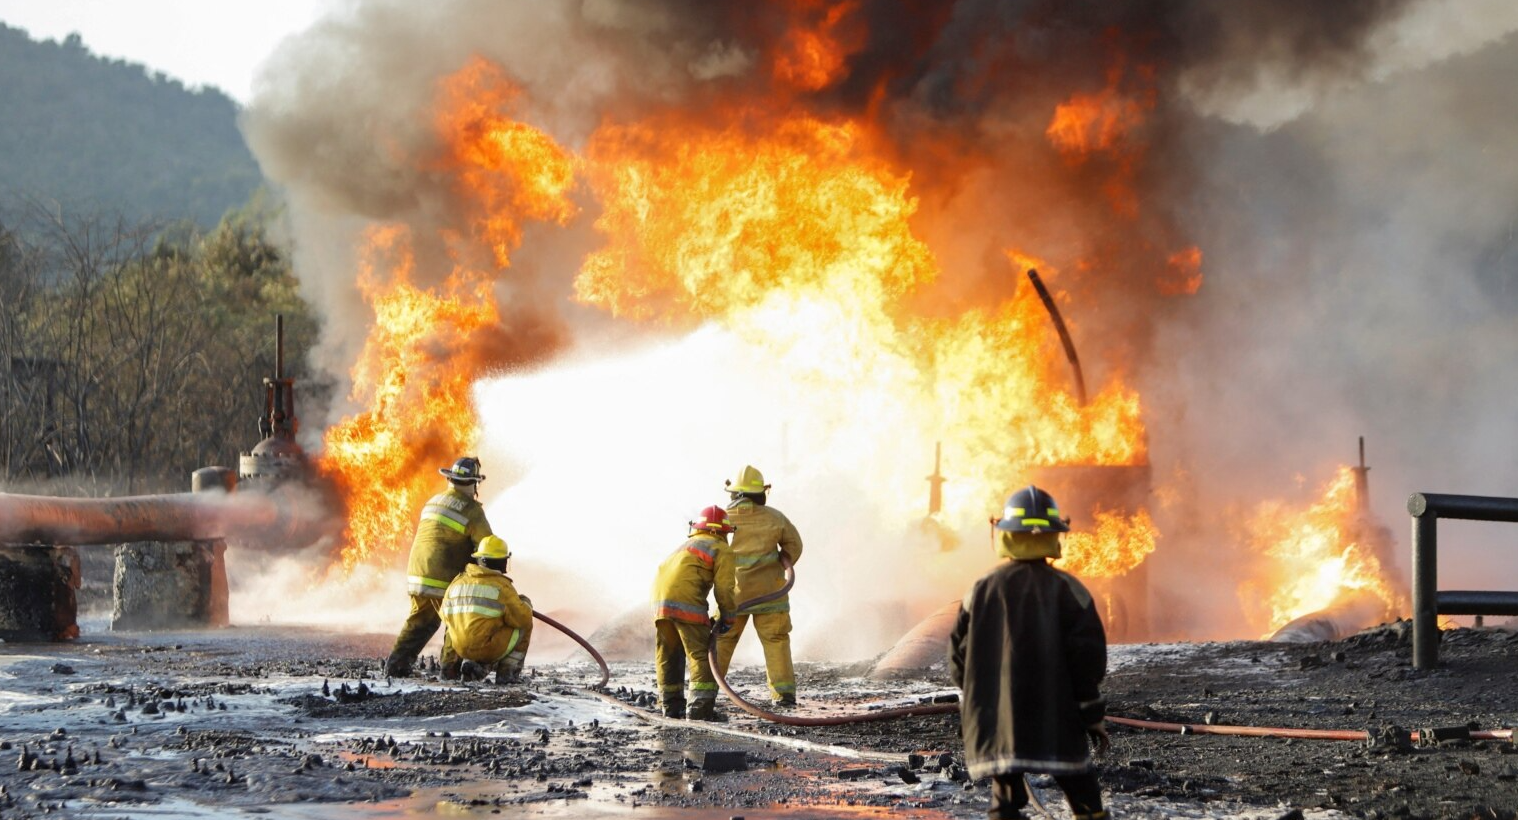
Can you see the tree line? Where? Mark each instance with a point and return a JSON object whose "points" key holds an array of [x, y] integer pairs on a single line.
{"points": [[108, 135], [131, 353]]}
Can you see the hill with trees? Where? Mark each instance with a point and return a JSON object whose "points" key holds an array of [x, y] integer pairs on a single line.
{"points": [[83, 133]]}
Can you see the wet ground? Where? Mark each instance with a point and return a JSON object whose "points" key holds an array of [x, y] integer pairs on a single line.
{"points": [[287, 722]]}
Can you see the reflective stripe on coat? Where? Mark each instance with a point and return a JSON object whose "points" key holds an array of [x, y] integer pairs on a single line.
{"points": [[451, 525], [685, 578], [764, 534], [485, 616]]}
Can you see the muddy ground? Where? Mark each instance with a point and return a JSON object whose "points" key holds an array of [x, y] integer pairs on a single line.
{"points": [[293, 723]]}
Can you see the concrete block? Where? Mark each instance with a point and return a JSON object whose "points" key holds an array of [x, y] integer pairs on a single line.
{"points": [[168, 585], [37, 598]]}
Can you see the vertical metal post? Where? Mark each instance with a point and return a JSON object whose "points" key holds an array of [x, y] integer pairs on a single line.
{"points": [[1425, 590], [279, 346], [935, 482], [1362, 482]]}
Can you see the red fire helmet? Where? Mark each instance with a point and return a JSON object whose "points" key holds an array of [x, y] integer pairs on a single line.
{"points": [[711, 519]]}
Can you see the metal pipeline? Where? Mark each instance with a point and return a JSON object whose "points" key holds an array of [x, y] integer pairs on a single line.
{"points": [[205, 516]]}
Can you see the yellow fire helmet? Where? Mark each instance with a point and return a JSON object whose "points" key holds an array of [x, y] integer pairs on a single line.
{"points": [[492, 546], [749, 480]]}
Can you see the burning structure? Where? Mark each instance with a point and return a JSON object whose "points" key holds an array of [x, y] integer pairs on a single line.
{"points": [[826, 209]]}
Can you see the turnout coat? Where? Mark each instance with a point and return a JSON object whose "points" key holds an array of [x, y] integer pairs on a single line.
{"points": [[763, 534], [1029, 653]]}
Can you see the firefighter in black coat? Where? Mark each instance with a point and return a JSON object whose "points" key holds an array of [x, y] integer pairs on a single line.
{"points": [[1029, 653]]}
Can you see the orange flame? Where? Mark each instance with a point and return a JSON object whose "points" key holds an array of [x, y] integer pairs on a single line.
{"points": [[1317, 556], [800, 240], [1106, 123], [429, 344], [811, 56], [1090, 123], [1183, 273], [792, 231], [384, 459], [1116, 545], [506, 170]]}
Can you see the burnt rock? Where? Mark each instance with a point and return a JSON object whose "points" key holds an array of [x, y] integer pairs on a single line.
{"points": [[714, 762]]}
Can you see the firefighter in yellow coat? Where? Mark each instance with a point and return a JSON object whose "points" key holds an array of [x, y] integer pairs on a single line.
{"points": [[489, 624], [452, 525], [763, 534], [681, 626]]}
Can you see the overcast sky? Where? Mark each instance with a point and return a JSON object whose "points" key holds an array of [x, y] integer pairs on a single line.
{"points": [[199, 42]]}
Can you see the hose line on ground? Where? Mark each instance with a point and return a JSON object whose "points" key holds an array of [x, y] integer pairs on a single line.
{"points": [[790, 720], [1361, 735]]}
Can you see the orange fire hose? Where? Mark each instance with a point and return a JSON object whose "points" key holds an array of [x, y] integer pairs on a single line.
{"points": [[1416, 736], [945, 708]]}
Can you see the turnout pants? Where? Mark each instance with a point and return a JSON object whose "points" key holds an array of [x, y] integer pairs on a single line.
{"points": [[1009, 795], [774, 630], [421, 625], [676, 645], [509, 664]]}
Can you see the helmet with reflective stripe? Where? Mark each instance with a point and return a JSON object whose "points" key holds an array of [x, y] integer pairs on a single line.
{"points": [[1032, 510], [492, 546], [749, 480], [711, 519], [464, 471]]}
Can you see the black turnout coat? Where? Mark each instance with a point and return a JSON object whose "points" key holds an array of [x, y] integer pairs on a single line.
{"points": [[1029, 653]]}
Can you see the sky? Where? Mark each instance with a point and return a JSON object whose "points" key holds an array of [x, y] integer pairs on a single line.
{"points": [[219, 43]]}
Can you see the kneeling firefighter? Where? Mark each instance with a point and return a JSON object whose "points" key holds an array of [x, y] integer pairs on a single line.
{"points": [[452, 525], [681, 626], [489, 624]]}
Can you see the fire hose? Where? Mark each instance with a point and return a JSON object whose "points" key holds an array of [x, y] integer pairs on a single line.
{"points": [[1360, 735], [605, 670], [789, 720]]}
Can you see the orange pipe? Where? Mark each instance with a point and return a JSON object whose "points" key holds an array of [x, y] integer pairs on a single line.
{"points": [[209, 516]]}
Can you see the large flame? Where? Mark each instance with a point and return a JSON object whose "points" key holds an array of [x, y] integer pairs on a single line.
{"points": [[384, 459], [799, 238], [1115, 546], [792, 231], [1316, 557], [429, 343]]}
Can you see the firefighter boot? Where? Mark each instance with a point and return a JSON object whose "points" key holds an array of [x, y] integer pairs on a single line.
{"points": [[451, 671], [509, 668], [397, 667], [674, 708], [706, 710], [471, 671]]}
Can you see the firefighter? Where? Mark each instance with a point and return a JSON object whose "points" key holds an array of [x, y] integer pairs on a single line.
{"points": [[488, 623], [763, 534], [681, 626], [1029, 653], [451, 527]]}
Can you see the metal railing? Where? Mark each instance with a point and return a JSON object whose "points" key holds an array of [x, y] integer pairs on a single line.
{"points": [[1428, 601]]}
